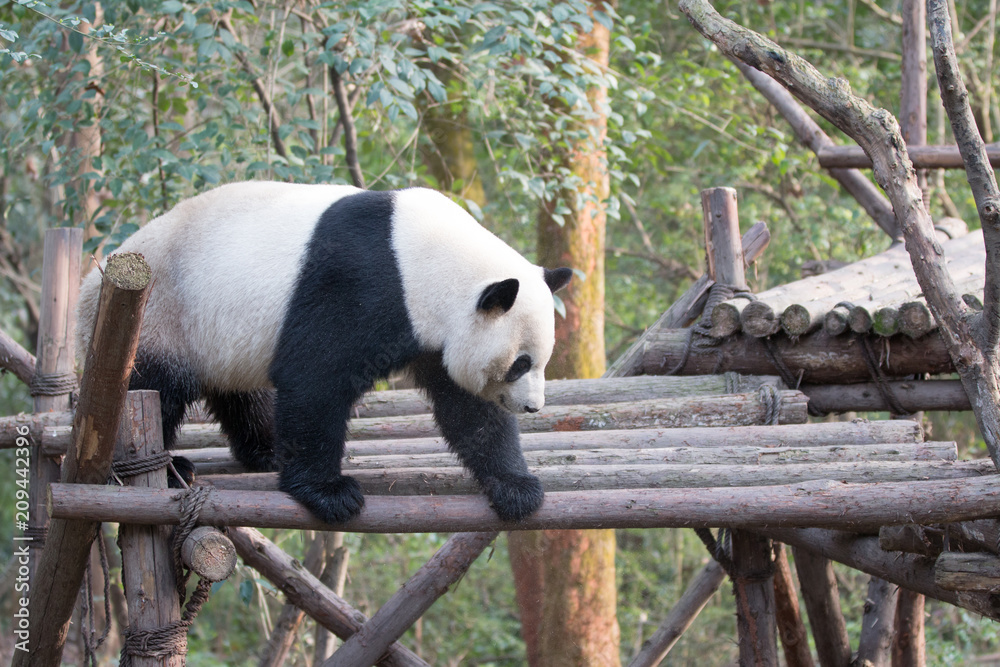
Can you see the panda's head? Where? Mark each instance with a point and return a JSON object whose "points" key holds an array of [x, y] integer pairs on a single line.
{"points": [[510, 341]]}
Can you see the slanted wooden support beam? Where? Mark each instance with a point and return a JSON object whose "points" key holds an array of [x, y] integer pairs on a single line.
{"points": [[822, 599], [791, 629], [409, 603], [95, 429], [922, 157], [877, 623], [306, 592], [701, 589], [147, 554], [16, 359], [863, 553], [284, 633]]}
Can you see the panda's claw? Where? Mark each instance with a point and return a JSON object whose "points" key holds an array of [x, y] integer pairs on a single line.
{"points": [[515, 497], [334, 500]]}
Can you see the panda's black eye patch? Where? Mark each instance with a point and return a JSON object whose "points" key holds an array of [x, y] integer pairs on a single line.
{"points": [[520, 366]]}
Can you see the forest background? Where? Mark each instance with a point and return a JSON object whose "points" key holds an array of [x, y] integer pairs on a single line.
{"points": [[112, 112]]}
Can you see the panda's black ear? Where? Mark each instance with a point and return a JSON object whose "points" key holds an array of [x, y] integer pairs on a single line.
{"points": [[499, 295], [556, 279]]}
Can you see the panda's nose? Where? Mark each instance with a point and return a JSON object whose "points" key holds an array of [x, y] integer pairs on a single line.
{"points": [[528, 408]]}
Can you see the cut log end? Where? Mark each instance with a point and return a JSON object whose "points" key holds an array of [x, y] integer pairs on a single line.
{"points": [[209, 553], [128, 271]]}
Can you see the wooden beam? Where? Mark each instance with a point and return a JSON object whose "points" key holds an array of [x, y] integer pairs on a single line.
{"points": [[923, 157], [701, 589], [818, 503], [877, 623], [914, 395], [753, 588], [95, 428], [956, 571], [791, 629], [16, 359], [822, 599], [415, 597], [306, 592]]}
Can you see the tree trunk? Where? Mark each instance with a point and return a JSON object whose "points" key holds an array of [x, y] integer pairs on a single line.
{"points": [[574, 573]]}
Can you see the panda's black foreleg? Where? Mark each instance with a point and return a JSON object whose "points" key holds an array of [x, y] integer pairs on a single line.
{"points": [[312, 426], [486, 439], [178, 388], [247, 419]]}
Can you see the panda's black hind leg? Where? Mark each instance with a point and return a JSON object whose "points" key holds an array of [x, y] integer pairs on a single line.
{"points": [[178, 388], [247, 419]]}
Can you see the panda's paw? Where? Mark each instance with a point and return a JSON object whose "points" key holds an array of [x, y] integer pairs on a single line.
{"points": [[333, 500], [515, 497], [185, 469]]}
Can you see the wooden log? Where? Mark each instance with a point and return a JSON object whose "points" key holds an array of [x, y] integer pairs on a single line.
{"points": [[813, 503], [911, 538], [791, 629], [915, 319], [402, 402], [913, 88], [722, 237], [822, 600], [209, 553], [284, 632], [956, 571], [863, 553], [725, 410], [909, 647], [835, 321], [855, 432], [930, 541], [753, 588], [923, 157], [102, 398], [885, 321], [219, 461], [877, 623], [701, 589], [147, 554], [457, 481], [688, 307], [305, 591], [334, 577], [818, 357], [55, 365], [914, 395], [430, 582], [16, 359]]}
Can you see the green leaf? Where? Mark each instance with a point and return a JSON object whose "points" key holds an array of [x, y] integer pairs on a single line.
{"points": [[171, 6], [288, 48]]}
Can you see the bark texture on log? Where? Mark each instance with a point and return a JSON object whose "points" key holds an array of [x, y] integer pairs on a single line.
{"points": [[753, 588], [912, 395], [957, 571], [16, 359], [877, 623], [909, 649], [791, 629], [819, 503], [922, 157]]}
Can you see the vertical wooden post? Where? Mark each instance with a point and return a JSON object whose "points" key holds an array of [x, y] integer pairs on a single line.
{"points": [[820, 594], [55, 363], [753, 586], [147, 557], [752, 566], [909, 648], [913, 96], [791, 629]]}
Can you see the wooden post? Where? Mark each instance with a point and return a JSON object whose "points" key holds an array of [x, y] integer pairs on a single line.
{"points": [[409, 603], [147, 556], [284, 633], [335, 578], [913, 95], [791, 630], [753, 586], [695, 597], [820, 593], [95, 430], [908, 647], [722, 237], [54, 376], [875, 644]]}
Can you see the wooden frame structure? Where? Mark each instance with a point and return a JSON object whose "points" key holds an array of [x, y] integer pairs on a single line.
{"points": [[621, 452]]}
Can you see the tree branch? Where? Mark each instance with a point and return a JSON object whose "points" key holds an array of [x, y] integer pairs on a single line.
{"points": [[265, 99], [350, 133], [877, 132], [16, 359], [980, 174]]}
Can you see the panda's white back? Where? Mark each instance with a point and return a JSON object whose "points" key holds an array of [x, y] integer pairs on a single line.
{"points": [[224, 265]]}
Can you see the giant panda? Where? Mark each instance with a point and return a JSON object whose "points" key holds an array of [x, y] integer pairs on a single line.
{"points": [[281, 304]]}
